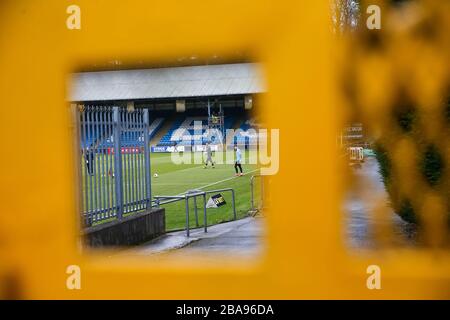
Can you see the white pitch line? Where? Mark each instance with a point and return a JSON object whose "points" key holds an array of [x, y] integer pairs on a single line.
{"points": [[174, 183], [217, 182], [186, 169]]}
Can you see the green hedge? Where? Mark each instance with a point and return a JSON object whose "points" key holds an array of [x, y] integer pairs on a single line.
{"points": [[431, 163]]}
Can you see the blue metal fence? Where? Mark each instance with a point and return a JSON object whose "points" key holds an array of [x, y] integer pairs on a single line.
{"points": [[115, 162]]}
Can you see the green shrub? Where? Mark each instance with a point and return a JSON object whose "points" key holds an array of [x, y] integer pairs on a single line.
{"points": [[384, 163], [431, 163]]}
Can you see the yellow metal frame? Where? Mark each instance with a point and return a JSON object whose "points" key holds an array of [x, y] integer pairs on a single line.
{"points": [[305, 256]]}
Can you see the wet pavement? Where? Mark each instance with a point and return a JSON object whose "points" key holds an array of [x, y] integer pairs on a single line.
{"points": [[360, 207], [241, 239]]}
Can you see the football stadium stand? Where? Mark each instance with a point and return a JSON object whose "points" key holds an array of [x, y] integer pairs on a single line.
{"points": [[184, 131], [104, 139], [246, 134], [193, 130], [187, 105]]}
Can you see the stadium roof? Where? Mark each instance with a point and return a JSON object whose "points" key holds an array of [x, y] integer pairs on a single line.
{"points": [[196, 81]]}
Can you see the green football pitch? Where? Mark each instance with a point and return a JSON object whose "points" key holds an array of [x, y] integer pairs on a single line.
{"points": [[175, 179]]}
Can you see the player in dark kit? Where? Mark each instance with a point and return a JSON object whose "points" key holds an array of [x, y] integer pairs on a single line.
{"points": [[90, 156], [237, 163]]}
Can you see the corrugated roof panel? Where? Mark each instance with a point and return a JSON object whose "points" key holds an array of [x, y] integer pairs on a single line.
{"points": [[177, 82]]}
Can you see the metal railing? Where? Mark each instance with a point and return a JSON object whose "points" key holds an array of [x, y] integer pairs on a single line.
{"points": [[162, 200], [115, 162]]}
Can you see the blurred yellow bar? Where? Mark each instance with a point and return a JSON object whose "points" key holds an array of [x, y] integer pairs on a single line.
{"points": [[306, 256]]}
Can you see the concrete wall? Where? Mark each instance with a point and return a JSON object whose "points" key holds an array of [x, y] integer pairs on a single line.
{"points": [[131, 230]]}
